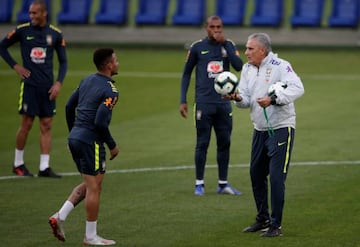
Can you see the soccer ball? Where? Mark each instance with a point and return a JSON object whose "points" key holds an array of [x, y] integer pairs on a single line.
{"points": [[226, 83], [276, 87]]}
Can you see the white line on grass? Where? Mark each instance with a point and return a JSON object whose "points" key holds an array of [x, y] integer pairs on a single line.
{"points": [[175, 168], [171, 75]]}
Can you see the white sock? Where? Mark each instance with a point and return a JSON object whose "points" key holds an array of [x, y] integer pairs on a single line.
{"points": [[198, 182], [223, 181], [65, 210], [19, 157], [90, 229], [44, 161]]}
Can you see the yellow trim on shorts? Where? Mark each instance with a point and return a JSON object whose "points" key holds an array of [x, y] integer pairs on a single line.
{"points": [[194, 114], [97, 158], [287, 157], [21, 94]]}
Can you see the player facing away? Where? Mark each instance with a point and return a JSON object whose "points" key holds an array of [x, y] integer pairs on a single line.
{"points": [[38, 91], [88, 115], [211, 56]]}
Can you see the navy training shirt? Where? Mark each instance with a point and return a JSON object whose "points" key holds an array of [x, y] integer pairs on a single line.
{"points": [[210, 59], [89, 110], [37, 46]]}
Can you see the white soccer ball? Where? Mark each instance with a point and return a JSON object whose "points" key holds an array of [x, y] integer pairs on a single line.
{"points": [[226, 83], [275, 88]]}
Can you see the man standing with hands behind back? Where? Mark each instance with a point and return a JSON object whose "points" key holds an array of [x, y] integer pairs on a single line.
{"points": [[38, 91], [211, 56]]}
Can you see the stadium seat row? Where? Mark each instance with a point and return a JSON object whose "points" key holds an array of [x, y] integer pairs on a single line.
{"points": [[306, 13]]}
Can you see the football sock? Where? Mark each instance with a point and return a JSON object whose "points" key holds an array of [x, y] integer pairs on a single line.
{"points": [[90, 229], [44, 161], [19, 157], [223, 183], [65, 210], [198, 182]]}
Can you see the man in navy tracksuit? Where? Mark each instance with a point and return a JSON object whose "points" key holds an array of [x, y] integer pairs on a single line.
{"points": [[211, 56]]}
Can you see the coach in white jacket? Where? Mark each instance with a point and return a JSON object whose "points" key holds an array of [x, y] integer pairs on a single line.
{"points": [[273, 116]]}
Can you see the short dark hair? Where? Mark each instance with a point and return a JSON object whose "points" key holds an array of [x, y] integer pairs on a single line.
{"points": [[42, 3], [102, 56], [212, 17]]}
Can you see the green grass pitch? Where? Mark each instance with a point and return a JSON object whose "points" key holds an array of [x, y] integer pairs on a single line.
{"points": [[147, 198]]}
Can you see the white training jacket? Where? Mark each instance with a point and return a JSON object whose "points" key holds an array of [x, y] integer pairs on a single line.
{"points": [[254, 83]]}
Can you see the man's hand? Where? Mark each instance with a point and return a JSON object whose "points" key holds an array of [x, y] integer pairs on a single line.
{"points": [[21, 71], [234, 96], [264, 101], [114, 152], [219, 37], [183, 110], [54, 90]]}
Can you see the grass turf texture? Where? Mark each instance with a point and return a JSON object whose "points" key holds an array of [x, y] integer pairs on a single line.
{"points": [[157, 208]]}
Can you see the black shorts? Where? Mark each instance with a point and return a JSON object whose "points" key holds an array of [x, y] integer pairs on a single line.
{"points": [[219, 116], [34, 101], [89, 158]]}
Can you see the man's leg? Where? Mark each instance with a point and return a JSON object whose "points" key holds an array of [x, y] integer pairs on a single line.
{"points": [[57, 220], [223, 127], [21, 138], [45, 147], [203, 134]]}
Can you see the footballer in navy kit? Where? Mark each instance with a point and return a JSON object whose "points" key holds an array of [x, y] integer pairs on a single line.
{"points": [[211, 56], [38, 91], [88, 115]]}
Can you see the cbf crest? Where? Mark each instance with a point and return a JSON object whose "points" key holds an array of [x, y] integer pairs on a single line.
{"points": [[49, 40], [267, 75]]}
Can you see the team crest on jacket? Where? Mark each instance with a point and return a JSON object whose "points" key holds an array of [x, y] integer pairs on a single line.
{"points": [[267, 75], [223, 52], [48, 39]]}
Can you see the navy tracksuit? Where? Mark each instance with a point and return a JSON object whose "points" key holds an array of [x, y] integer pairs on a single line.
{"points": [[211, 111]]}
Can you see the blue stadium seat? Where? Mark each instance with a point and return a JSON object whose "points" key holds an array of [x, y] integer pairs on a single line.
{"points": [[189, 12], [267, 13], [232, 12], [345, 13], [6, 10], [307, 13], [151, 12], [23, 15], [74, 12], [112, 12]]}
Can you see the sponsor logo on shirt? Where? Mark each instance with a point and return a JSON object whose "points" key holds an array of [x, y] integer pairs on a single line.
{"points": [[214, 68], [38, 55]]}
